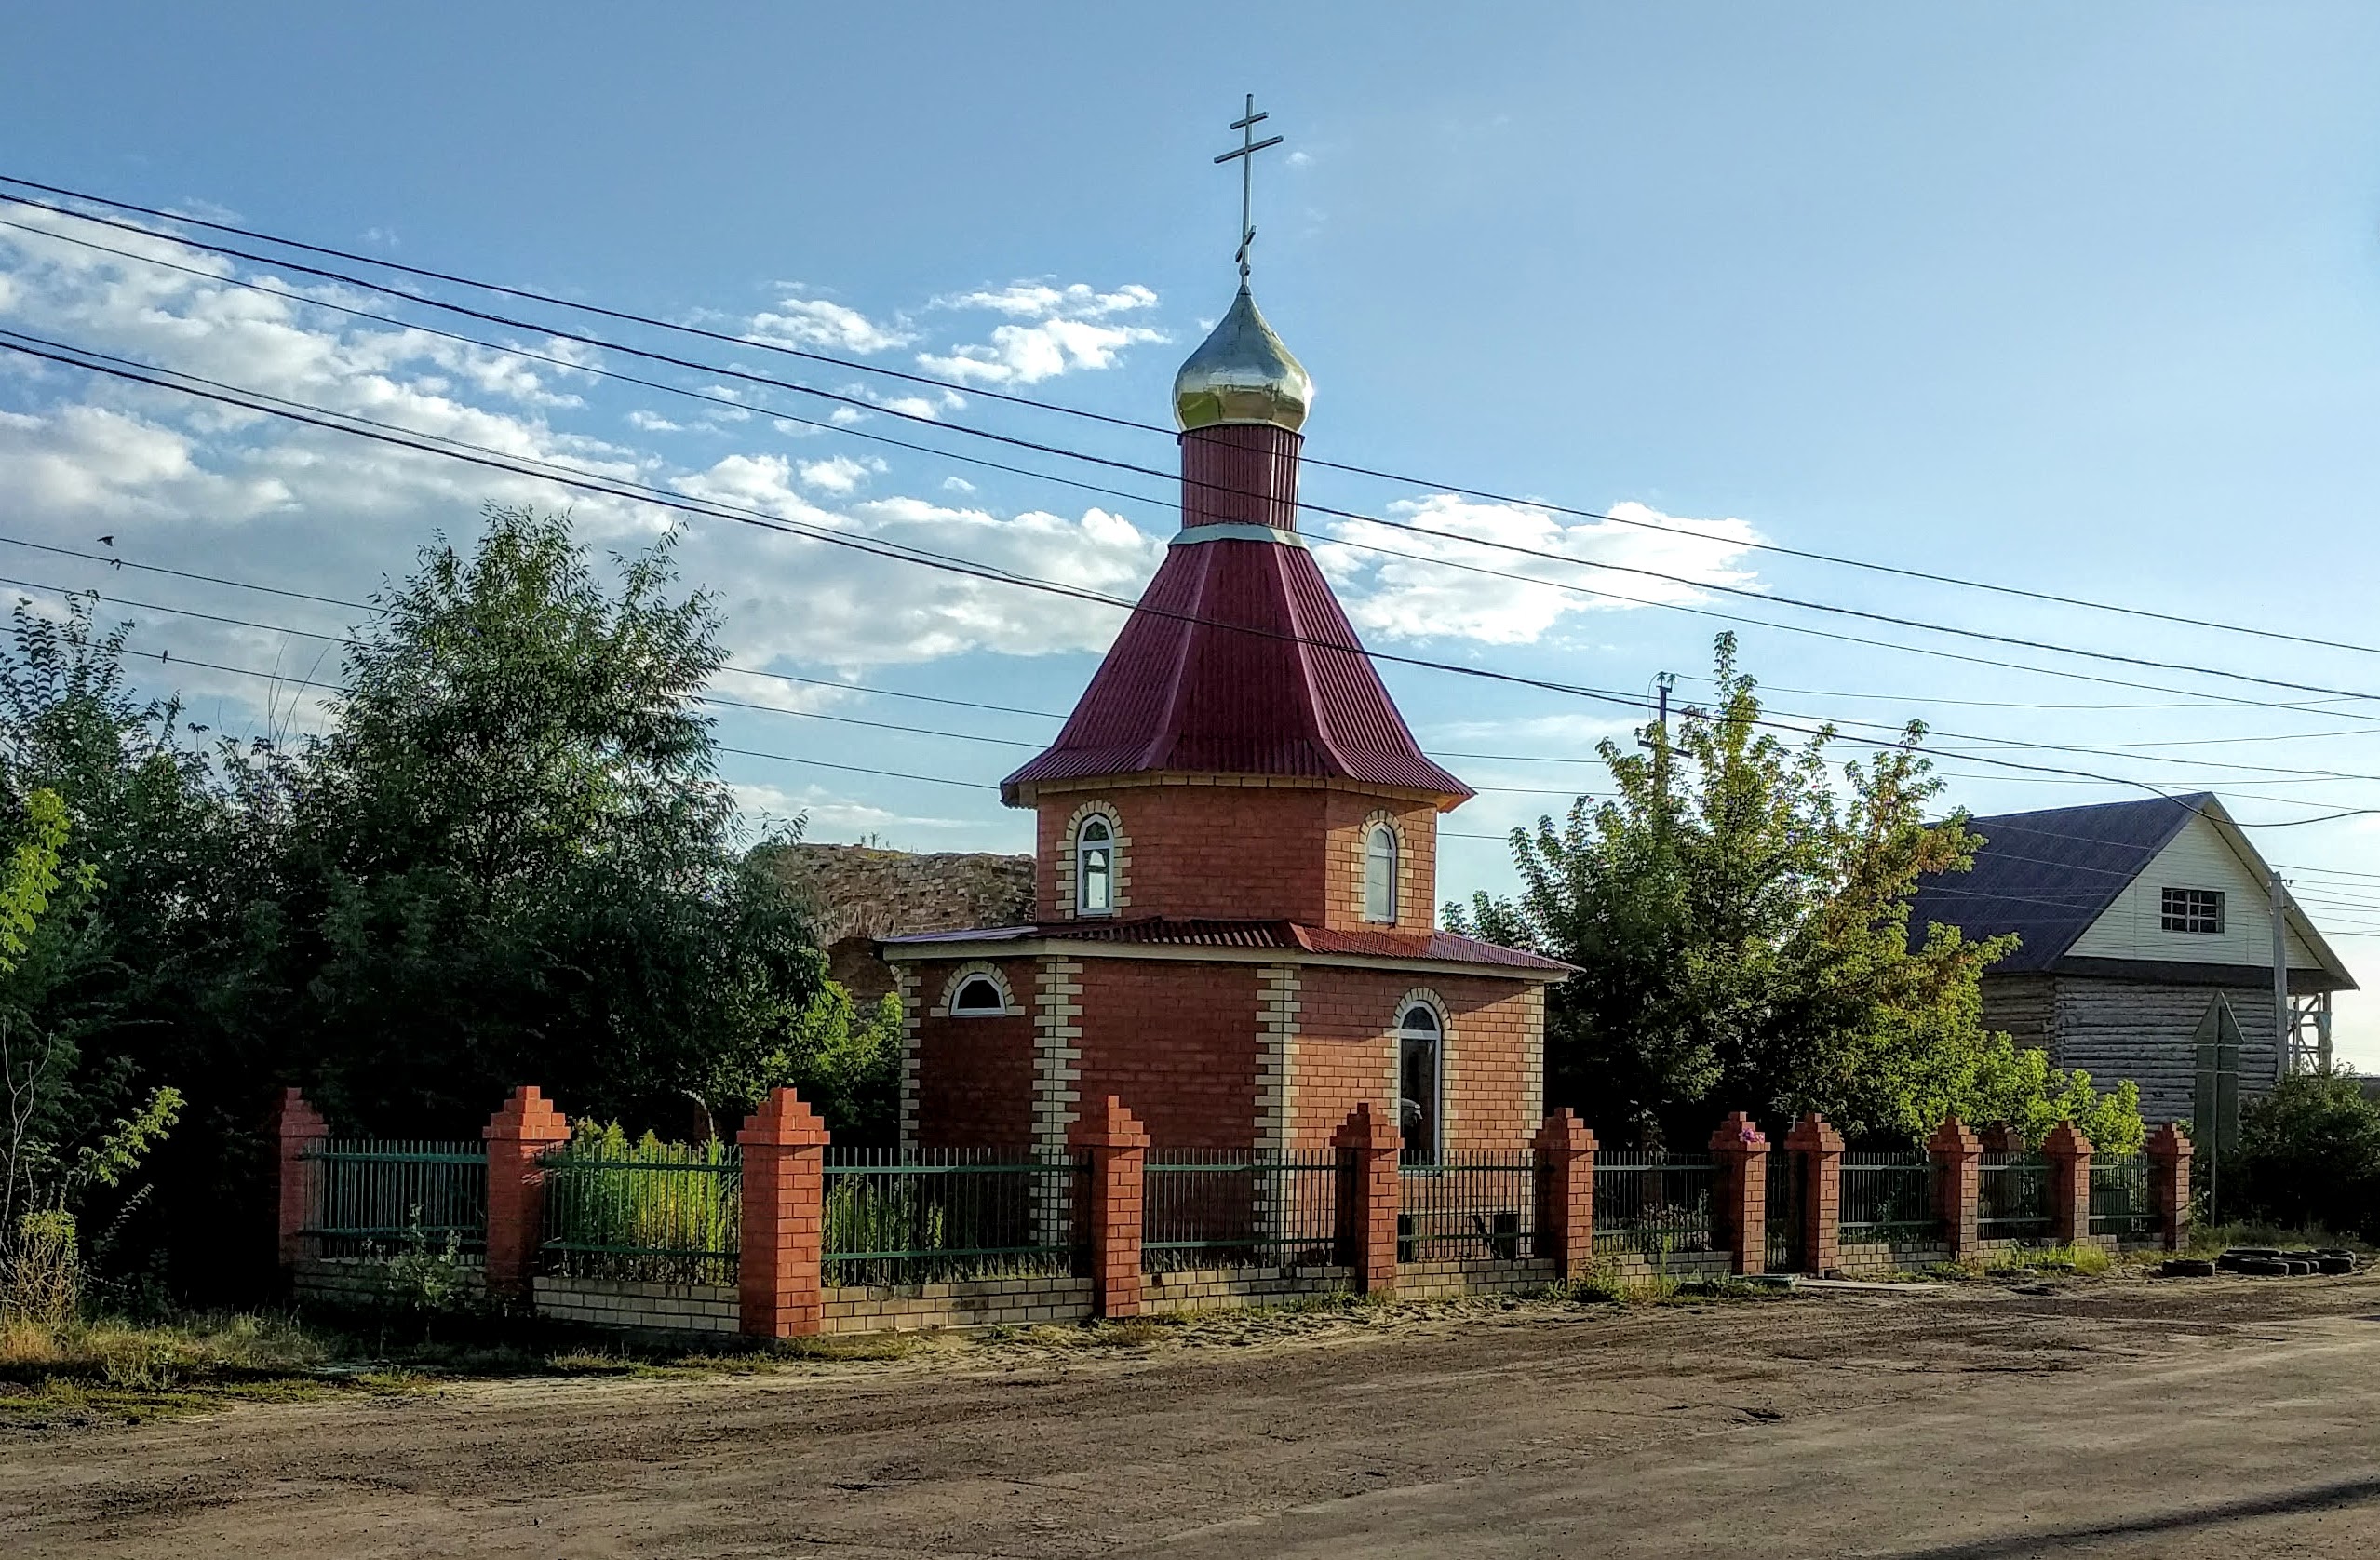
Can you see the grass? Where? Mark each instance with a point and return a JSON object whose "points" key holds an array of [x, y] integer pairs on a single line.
{"points": [[2083, 1261], [2210, 1240]]}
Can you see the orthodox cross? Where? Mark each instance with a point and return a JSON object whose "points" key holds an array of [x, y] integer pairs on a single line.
{"points": [[1246, 154]]}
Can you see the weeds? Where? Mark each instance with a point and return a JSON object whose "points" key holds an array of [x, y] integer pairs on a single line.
{"points": [[2083, 1261]]}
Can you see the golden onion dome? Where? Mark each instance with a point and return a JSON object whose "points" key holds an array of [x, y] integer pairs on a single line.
{"points": [[1242, 373]]}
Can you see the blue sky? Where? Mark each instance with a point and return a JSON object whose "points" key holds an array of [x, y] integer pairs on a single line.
{"points": [[2086, 300]]}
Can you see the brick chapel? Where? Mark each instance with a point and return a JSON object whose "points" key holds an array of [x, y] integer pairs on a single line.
{"points": [[1235, 861]]}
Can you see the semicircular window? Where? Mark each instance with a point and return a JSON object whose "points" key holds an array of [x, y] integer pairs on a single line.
{"points": [[978, 997]]}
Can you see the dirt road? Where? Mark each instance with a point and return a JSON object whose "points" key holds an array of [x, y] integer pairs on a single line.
{"points": [[2125, 1418]]}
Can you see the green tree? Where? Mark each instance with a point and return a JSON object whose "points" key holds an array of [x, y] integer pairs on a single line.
{"points": [[844, 1061], [2310, 1154], [518, 861], [1740, 915]]}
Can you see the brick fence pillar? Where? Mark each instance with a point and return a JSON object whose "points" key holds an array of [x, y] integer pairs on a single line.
{"points": [[517, 1135], [1740, 1198], [1370, 1198], [2170, 1150], [1119, 1146], [296, 1128], [2069, 1154], [1957, 1154], [1566, 1195], [1821, 1149], [783, 1233]]}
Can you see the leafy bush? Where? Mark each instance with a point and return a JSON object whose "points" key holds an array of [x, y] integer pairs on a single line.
{"points": [[2308, 1156], [644, 1208]]}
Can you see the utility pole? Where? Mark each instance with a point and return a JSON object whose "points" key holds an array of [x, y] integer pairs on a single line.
{"points": [[1659, 746], [2284, 1022]]}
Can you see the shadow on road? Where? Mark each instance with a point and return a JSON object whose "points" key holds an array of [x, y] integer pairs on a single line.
{"points": [[2344, 1492]]}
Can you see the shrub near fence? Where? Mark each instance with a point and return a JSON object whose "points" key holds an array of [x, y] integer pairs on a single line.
{"points": [[366, 1196], [2012, 1197], [2123, 1200], [649, 1212], [1654, 1203], [937, 1214], [1887, 1197], [1233, 1208], [1467, 1208]]}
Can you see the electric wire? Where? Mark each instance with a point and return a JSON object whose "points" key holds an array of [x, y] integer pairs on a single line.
{"points": [[1763, 596], [932, 382]]}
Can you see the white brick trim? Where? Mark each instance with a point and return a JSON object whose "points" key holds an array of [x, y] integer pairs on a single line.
{"points": [[1358, 911], [905, 981], [1057, 1053], [1277, 1005], [1122, 868], [1009, 1006]]}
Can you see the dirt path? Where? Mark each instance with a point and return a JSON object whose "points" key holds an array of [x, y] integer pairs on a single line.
{"points": [[2131, 1418]]}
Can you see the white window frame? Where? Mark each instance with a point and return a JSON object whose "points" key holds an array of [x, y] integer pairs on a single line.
{"points": [[1380, 892], [1107, 847], [2199, 911], [959, 1008], [1431, 1152], [966, 976]]}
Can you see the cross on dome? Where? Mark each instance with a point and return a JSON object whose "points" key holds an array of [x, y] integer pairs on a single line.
{"points": [[1246, 154]]}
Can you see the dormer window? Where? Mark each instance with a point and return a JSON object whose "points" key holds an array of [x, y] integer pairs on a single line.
{"points": [[1094, 867], [1379, 873], [978, 997], [2193, 910]]}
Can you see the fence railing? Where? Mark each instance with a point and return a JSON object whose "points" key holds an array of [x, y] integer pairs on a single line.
{"points": [[1653, 1202], [1467, 1207], [1888, 1196], [2123, 1197], [2012, 1197], [378, 1195], [935, 1214], [1232, 1207], [650, 1213]]}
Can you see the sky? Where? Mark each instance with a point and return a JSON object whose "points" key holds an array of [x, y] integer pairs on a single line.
{"points": [[2084, 301]]}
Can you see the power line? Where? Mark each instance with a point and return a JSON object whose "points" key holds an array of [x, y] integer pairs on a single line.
{"points": [[663, 498], [932, 382], [1061, 452]]}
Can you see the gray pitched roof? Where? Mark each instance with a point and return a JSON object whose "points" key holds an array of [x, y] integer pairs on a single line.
{"points": [[2047, 876]]}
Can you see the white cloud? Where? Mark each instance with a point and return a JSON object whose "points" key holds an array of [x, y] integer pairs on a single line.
{"points": [[813, 322], [957, 485], [1072, 328], [1417, 598], [838, 473]]}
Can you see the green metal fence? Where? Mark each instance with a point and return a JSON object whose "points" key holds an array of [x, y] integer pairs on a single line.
{"points": [[2012, 1197], [1653, 1202], [1232, 1207], [365, 1195], [1888, 1196], [2123, 1199], [935, 1214], [653, 1213], [1468, 1206]]}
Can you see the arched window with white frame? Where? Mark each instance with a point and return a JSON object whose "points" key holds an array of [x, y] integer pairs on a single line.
{"points": [[1379, 873], [1095, 865], [978, 996], [1421, 1080]]}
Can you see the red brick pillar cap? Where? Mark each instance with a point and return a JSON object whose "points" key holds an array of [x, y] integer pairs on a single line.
{"points": [[1954, 1136], [1365, 1129], [2170, 1143], [1738, 1134], [294, 1117], [1812, 1135], [782, 1121], [1564, 1134], [527, 1117], [2065, 1141], [1108, 1125]]}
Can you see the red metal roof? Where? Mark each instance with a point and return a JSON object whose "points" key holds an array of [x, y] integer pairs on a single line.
{"points": [[1238, 661], [1443, 947]]}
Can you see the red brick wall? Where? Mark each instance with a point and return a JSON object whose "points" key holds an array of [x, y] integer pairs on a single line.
{"points": [[1348, 816], [974, 1075], [1344, 1054], [1177, 1042], [1253, 852]]}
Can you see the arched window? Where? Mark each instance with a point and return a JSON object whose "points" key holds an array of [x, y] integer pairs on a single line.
{"points": [[1095, 866], [1379, 873], [1419, 1036], [978, 996]]}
